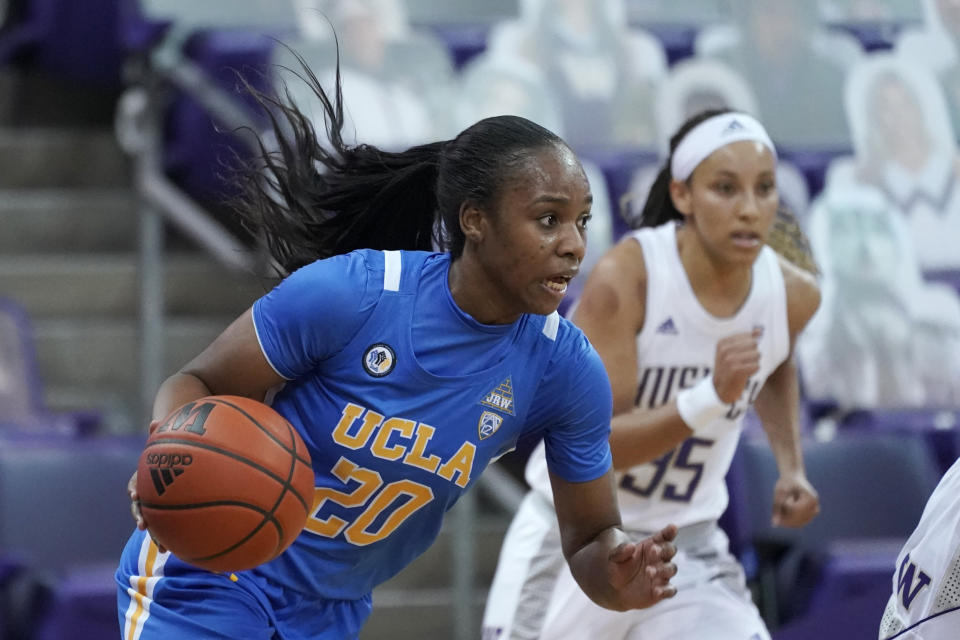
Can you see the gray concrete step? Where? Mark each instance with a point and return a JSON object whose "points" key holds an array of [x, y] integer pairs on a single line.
{"points": [[94, 363], [55, 157], [426, 614], [418, 602], [67, 220], [104, 352], [106, 285], [435, 566]]}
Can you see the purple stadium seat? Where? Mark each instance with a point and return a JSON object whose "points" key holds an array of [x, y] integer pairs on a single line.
{"points": [[812, 163], [677, 39], [618, 168], [873, 487], [856, 617], [940, 429], [71, 491], [949, 277], [464, 41], [850, 568], [874, 36], [21, 389], [136, 32], [73, 39], [198, 151], [22, 405], [64, 518], [81, 605]]}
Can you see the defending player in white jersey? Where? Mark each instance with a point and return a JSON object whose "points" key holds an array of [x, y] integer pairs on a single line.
{"points": [[925, 603], [695, 319]]}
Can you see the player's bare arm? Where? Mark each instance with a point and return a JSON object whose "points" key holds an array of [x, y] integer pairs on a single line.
{"points": [[611, 314], [795, 501], [612, 570], [233, 364]]}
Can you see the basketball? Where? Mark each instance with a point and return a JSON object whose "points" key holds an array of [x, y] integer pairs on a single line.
{"points": [[225, 483]]}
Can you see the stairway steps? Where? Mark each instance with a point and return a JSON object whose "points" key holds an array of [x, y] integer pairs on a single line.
{"points": [[102, 352], [435, 566], [42, 157], [107, 286], [67, 220]]}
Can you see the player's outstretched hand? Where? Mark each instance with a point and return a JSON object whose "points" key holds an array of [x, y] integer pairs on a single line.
{"points": [[640, 572], [795, 501]]}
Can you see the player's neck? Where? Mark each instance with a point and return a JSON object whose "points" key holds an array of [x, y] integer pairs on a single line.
{"points": [[476, 294], [720, 286]]}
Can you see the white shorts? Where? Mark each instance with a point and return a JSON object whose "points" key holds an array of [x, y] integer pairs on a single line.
{"points": [[534, 595]]}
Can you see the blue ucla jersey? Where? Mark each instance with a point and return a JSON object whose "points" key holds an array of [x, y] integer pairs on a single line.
{"points": [[403, 400]]}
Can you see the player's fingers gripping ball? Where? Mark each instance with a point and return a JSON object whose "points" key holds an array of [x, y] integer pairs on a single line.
{"points": [[225, 483]]}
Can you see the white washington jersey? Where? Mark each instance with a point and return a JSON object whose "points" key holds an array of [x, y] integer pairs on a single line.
{"points": [[675, 349], [925, 600]]}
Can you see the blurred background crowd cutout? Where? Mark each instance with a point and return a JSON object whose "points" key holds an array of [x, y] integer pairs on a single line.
{"points": [[120, 121]]}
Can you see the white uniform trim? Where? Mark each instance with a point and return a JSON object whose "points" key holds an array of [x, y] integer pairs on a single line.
{"points": [[551, 326], [150, 572], [264, 351], [391, 270]]}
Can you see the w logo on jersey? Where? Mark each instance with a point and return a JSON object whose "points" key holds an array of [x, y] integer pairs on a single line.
{"points": [[488, 424], [907, 589]]}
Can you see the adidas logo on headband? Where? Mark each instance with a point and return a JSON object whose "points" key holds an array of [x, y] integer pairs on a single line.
{"points": [[733, 126], [710, 135]]}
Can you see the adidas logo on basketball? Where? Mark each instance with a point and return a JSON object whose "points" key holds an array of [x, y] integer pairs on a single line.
{"points": [[165, 467]]}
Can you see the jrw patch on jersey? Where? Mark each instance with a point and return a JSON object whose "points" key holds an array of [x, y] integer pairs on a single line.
{"points": [[501, 398]]}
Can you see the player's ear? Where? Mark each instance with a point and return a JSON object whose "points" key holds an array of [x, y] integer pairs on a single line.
{"points": [[473, 222], [681, 197]]}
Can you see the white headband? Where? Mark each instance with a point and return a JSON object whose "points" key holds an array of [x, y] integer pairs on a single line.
{"points": [[710, 135]]}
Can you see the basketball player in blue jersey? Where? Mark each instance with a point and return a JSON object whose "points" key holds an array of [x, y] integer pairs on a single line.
{"points": [[406, 372], [695, 319]]}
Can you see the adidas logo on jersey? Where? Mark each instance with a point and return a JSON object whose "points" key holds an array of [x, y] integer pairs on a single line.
{"points": [[667, 327], [501, 398]]}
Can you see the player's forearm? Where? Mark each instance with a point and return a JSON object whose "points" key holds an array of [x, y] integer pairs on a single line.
{"points": [[642, 435], [777, 406], [589, 564], [177, 390]]}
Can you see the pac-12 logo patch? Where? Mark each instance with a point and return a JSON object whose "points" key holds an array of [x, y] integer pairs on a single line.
{"points": [[488, 424], [379, 360]]}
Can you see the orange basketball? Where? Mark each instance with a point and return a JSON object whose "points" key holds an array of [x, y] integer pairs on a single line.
{"points": [[225, 483]]}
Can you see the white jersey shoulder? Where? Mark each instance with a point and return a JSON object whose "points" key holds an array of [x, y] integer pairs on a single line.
{"points": [[925, 594], [675, 349]]}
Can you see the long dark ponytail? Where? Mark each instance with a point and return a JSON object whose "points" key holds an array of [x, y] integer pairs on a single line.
{"points": [[659, 208], [305, 200]]}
